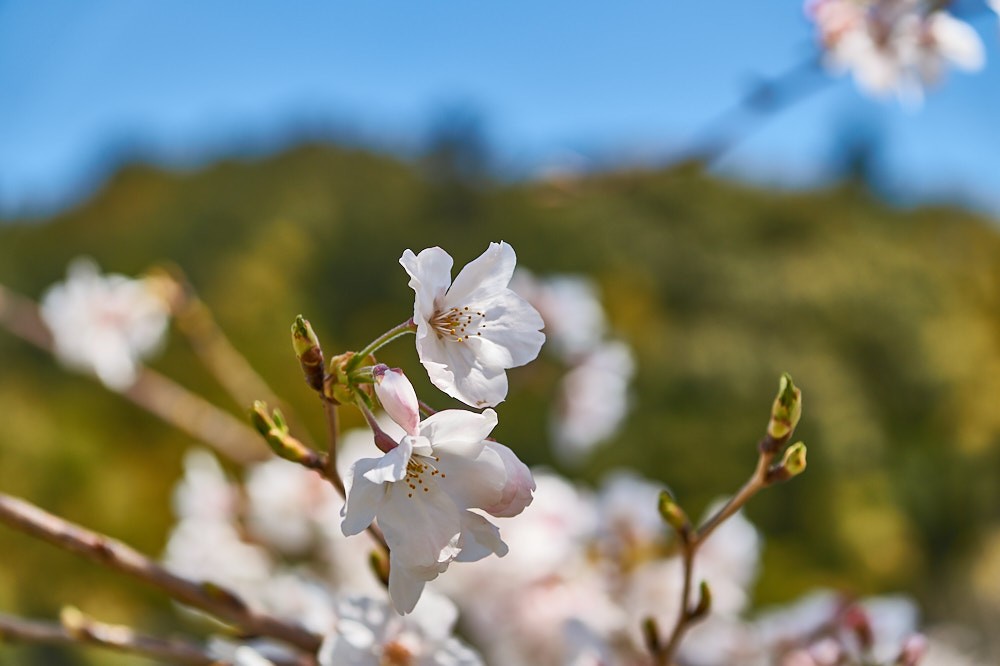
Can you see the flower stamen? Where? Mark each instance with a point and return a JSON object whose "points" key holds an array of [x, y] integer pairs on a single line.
{"points": [[458, 323]]}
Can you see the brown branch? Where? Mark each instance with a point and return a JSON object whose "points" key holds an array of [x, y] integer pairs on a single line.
{"points": [[86, 631], [152, 391], [330, 471], [196, 416], [214, 349], [213, 599], [785, 413]]}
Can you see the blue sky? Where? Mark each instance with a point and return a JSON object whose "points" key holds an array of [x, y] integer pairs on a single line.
{"points": [[557, 81]]}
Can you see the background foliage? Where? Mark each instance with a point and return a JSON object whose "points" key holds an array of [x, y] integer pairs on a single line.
{"points": [[887, 319]]}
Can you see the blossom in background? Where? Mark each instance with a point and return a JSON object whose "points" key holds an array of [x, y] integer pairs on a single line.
{"points": [[525, 608], [894, 46], [104, 324], [368, 633], [422, 488], [570, 306], [593, 400], [470, 331]]}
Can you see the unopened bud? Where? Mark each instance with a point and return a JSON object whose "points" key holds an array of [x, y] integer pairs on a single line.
{"points": [[786, 411], [397, 396], [274, 430], [704, 605], [674, 515], [793, 463], [341, 384], [307, 350], [74, 621], [794, 459]]}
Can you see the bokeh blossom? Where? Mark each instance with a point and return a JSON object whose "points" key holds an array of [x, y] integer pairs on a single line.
{"points": [[894, 46], [104, 324], [368, 633], [470, 331]]}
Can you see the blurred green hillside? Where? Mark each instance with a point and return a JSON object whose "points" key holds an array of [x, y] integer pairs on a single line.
{"points": [[889, 320]]}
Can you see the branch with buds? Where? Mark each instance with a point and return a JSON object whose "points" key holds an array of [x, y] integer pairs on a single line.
{"points": [[213, 599], [75, 628], [785, 414]]}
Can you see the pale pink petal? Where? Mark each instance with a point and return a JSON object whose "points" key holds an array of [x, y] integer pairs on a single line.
{"points": [[459, 432], [518, 486], [484, 276], [421, 523], [430, 276], [480, 538], [364, 499], [392, 466]]}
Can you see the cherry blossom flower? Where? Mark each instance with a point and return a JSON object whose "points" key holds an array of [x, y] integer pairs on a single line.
{"points": [[423, 486], [368, 633], [104, 324], [570, 306], [899, 46], [470, 331], [593, 400]]}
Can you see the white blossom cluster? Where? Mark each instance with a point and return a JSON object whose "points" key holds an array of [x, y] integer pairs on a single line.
{"points": [[104, 324], [896, 47], [583, 572], [593, 396]]}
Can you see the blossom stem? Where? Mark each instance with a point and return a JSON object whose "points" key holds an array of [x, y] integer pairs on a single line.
{"points": [[216, 600], [684, 617], [692, 542], [115, 637], [785, 413], [407, 326], [333, 436], [753, 485]]}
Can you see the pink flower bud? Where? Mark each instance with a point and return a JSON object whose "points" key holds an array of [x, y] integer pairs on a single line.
{"points": [[397, 396]]}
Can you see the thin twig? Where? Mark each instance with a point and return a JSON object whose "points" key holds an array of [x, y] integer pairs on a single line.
{"points": [[331, 472], [214, 599], [690, 544], [766, 98], [216, 352], [152, 391], [196, 416], [114, 637]]}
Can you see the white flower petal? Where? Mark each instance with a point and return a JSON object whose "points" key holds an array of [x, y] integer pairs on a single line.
{"points": [[364, 499], [484, 276], [430, 275], [480, 538], [472, 482], [421, 523], [392, 466], [459, 432], [407, 582]]}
